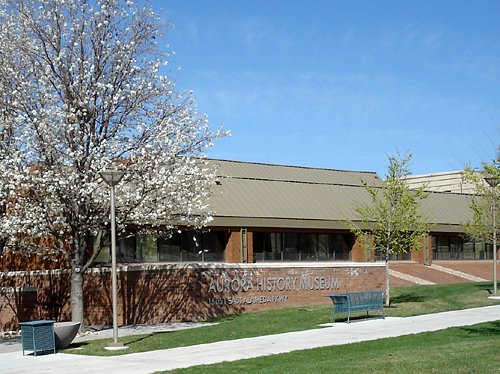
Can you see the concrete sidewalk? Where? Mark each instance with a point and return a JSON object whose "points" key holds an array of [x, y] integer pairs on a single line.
{"points": [[331, 334]]}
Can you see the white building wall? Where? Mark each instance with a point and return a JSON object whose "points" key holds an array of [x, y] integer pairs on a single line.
{"points": [[452, 181]]}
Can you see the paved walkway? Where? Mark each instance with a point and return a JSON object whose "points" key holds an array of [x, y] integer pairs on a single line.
{"points": [[409, 278], [331, 334]]}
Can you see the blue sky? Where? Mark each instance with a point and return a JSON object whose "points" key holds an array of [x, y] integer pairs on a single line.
{"points": [[343, 84]]}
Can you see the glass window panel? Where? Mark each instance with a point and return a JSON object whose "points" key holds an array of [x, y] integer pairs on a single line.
{"points": [[343, 245], [212, 248], [272, 247], [105, 254], [292, 247], [259, 246], [301, 247], [324, 245], [468, 250], [488, 251], [308, 247], [169, 249], [126, 249], [266, 246], [443, 248], [456, 248], [276, 243], [147, 249], [400, 257]]}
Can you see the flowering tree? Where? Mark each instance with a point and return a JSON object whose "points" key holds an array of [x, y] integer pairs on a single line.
{"points": [[8, 151], [392, 222], [7, 164], [85, 94]]}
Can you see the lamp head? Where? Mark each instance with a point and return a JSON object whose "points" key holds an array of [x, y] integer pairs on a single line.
{"points": [[492, 181], [112, 178]]}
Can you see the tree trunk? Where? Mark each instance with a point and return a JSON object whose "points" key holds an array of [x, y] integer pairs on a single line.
{"points": [[387, 286], [2, 245], [77, 305]]}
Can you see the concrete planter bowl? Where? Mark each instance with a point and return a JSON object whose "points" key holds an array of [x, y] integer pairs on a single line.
{"points": [[65, 332]]}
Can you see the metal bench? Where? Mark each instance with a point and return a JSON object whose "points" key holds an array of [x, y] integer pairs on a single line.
{"points": [[347, 303]]}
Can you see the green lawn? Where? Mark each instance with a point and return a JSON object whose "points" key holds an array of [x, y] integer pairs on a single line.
{"points": [[416, 300], [472, 349], [406, 301]]}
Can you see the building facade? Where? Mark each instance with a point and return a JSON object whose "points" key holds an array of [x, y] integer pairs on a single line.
{"points": [[270, 213], [279, 238], [451, 181]]}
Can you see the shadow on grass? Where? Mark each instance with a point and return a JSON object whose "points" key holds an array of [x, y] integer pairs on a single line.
{"points": [[127, 340], [407, 298], [73, 346], [485, 287], [488, 329], [139, 338], [358, 318]]}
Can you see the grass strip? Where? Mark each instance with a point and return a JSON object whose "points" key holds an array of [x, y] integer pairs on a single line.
{"points": [[471, 349], [406, 301]]}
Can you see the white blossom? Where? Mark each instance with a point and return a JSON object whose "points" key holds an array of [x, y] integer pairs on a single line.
{"points": [[80, 92]]}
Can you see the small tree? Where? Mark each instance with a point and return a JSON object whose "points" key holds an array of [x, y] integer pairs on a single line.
{"points": [[480, 226], [84, 91], [392, 222]]}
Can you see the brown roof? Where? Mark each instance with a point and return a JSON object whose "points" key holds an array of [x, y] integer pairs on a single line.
{"points": [[263, 195], [447, 211]]}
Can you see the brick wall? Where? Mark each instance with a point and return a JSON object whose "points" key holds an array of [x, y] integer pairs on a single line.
{"points": [[16, 305], [33, 295], [358, 253], [250, 246], [233, 247], [194, 292]]}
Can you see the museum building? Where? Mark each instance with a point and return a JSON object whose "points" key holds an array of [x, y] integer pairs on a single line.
{"points": [[279, 238], [272, 213]]}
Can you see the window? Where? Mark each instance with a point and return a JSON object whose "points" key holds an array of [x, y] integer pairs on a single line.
{"points": [[192, 246], [291, 250], [105, 254], [169, 250], [185, 246], [394, 256], [452, 247], [268, 246], [146, 249], [301, 246], [126, 249]]}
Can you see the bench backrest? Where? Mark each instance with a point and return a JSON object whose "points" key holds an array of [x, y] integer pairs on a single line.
{"points": [[366, 297]]}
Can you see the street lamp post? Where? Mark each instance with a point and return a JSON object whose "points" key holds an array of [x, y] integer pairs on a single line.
{"points": [[112, 178], [493, 182]]}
